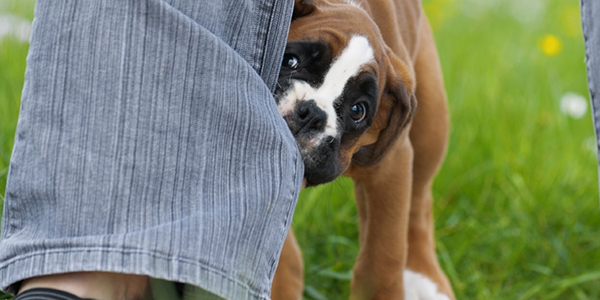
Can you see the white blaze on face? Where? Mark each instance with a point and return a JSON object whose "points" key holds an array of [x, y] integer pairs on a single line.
{"points": [[357, 53]]}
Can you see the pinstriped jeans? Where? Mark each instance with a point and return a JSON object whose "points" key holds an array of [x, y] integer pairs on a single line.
{"points": [[590, 19], [149, 143]]}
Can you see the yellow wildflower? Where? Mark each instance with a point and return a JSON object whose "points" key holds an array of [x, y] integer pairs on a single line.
{"points": [[550, 45]]}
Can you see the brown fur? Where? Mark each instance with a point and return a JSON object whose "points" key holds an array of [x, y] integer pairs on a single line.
{"points": [[392, 171]]}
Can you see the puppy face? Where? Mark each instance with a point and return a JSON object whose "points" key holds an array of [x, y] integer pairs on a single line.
{"points": [[340, 90]]}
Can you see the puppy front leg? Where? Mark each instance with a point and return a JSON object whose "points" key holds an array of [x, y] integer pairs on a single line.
{"points": [[383, 200], [429, 137], [288, 283]]}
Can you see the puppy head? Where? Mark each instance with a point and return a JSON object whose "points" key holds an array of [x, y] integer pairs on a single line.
{"points": [[341, 90]]}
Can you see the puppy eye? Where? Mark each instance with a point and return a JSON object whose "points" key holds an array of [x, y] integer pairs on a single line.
{"points": [[358, 112], [290, 61]]}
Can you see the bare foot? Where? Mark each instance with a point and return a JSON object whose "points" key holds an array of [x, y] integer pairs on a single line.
{"points": [[95, 285]]}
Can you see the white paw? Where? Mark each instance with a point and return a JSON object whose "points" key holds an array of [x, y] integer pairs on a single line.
{"points": [[419, 287]]}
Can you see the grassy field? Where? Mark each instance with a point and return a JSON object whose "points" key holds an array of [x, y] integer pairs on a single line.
{"points": [[517, 205]]}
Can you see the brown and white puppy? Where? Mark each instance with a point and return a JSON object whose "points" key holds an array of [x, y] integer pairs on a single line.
{"points": [[350, 81]]}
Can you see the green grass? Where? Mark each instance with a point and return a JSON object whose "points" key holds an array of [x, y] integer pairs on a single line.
{"points": [[517, 204]]}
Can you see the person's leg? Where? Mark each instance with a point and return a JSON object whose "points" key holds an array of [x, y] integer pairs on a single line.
{"points": [[149, 143], [590, 19]]}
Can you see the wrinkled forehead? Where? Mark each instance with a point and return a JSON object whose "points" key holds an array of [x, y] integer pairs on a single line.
{"points": [[334, 23], [335, 26]]}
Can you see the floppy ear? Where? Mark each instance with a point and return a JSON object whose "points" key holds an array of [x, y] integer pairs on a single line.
{"points": [[395, 111], [302, 8]]}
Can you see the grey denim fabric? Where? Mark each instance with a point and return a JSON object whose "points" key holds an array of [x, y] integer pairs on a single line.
{"points": [[149, 143], [590, 19]]}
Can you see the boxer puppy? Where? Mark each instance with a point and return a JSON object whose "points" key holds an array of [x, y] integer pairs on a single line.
{"points": [[350, 80]]}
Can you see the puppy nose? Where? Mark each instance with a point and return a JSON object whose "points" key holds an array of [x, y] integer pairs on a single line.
{"points": [[310, 119]]}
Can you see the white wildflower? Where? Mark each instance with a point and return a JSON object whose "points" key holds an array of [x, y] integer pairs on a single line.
{"points": [[16, 26], [573, 105]]}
